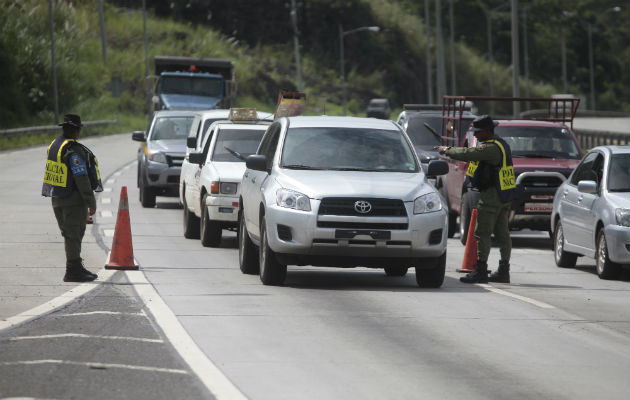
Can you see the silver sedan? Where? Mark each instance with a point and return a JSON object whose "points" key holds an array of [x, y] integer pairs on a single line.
{"points": [[591, 215]]}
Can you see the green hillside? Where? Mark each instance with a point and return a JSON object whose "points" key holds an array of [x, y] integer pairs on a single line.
{"points": [[388, 64]]}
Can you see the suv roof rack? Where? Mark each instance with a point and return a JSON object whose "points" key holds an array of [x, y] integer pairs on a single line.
{"points": [[559, 109]]}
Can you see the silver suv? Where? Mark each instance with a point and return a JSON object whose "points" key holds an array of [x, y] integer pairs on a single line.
{"points": [[340, 192]]}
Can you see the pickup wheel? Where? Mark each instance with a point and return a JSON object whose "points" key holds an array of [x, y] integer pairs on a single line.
{"points": [[432, 277], [606, 269], [147, 196], [271, 271], [465, 211], [396, 271], [563, 259], [209, 230], [191, 223], [247, 251]]}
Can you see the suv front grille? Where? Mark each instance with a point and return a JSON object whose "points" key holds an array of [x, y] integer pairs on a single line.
{"points": [[361, 225], [346, 206], [540, 181], [174, 161]]}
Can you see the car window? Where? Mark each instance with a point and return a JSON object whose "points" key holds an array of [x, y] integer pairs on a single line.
{"points": [[270, 143], [619, 173], [539, 141], [197, 85], [171, 128], [335, 148], [422, 136], [242, 141], [194, 129], [584, 171]]}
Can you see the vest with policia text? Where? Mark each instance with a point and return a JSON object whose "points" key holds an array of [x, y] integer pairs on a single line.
{"points": [[58, 175], [484, 175]]}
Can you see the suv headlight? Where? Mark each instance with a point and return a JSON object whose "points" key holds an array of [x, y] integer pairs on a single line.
{"points": [[623, 216], [295, 200], [158, 157], [427, 203]]}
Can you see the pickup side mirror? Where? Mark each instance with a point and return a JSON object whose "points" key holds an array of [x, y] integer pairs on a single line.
{"points": [[257, 162], [587, 187], [437, 167], [196, 158], [191, 142], [139, 136]]}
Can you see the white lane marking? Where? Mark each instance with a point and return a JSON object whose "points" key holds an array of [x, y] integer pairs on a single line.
{"points": [[107, 214], [107, 190], [117, 173], [106, 200], [218, 384], [108, 233], [81, 335], [96, 365], [110, 181], [516, 296], [142, 313], [57, 302]]}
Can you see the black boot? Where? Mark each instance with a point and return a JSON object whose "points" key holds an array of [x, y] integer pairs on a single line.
{"points": [[501, 275], [479, 275], [76, 272]]}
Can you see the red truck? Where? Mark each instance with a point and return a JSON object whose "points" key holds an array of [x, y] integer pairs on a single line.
{"points": [[544, 153]]}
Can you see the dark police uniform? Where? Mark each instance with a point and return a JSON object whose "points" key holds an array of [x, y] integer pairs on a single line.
{"points": [[70, 179], [492, 173]]}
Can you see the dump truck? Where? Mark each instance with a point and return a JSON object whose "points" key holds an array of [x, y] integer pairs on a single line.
{"points": [[188, 83]]}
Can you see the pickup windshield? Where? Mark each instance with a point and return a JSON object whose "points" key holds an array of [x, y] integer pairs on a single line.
{"points": [[171, 128], [348, 149], [539, 141], [243, 142], [192, 85]]}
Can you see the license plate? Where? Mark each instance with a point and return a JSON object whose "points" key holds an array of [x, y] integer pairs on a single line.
{"points": [[538, 207]]}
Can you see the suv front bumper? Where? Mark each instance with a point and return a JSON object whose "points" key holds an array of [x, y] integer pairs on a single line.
{"points": [[293, 232]]}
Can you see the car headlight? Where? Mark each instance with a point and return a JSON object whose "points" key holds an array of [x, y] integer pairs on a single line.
{"points": [[623, 216], [290, 199], [427, 203], [158, 157], [228, 187]]}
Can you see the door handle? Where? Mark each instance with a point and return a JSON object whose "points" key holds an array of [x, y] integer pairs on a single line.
{"points": [[580, 198]]}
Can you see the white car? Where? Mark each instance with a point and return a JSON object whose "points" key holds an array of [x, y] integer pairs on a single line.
{"points": [[591, 212], [210, 189], [340, 192]]}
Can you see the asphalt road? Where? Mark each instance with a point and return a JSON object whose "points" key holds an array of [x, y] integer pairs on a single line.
{"points": [[326, 334]]}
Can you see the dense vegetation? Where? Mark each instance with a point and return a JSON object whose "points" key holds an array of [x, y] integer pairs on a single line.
{"points": [[258, 36]]}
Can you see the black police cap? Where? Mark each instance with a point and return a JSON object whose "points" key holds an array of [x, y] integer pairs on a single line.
{"points": [[71, 119]]}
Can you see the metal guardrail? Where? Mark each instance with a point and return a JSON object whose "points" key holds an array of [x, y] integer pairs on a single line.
{"points": [[34, 130], [590, 138]]}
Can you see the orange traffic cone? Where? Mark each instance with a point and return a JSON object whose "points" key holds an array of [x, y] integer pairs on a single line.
{"points": [[470, 253], [121, 256]]}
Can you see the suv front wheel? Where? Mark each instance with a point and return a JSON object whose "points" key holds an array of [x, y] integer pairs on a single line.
{"points": [[432, 277], [247, 251], [271, 271]]}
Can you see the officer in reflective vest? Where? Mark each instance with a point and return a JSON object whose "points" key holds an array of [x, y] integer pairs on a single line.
{"points": [[70, 178], [491, 171]]}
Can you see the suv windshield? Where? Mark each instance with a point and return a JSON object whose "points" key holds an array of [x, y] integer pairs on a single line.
{"points": [[539, 141], [348, 149], [171, 128], [199, 86], [241, 141], [619, 175]]}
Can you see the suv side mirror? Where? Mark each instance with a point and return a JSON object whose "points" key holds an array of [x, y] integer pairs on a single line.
{"points": [[256, 162], [139, 136], [587, 187], [437, 167], [196, 158], [191, 142]]}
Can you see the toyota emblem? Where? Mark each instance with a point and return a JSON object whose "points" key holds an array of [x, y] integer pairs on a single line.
{"points": [[362, 207]]}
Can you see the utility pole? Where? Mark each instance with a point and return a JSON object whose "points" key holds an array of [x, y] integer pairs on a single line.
{"points": [[591, 75], [53, 63], [427, 52], [441, 75], [563, 55], [452, 47], [516, 106], [343, 69], [146, 54], [296, 44], [101, 22]]}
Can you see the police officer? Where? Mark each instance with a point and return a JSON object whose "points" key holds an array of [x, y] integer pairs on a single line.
{"points": [[70, 179], [491, 172]]}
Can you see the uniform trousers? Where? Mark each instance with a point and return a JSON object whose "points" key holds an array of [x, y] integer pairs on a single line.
{"points": [[492, 217], [72, 221]]}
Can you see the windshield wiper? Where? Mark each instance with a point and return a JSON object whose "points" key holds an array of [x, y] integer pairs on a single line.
{"points": [[235, 154], [299, 166]]}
